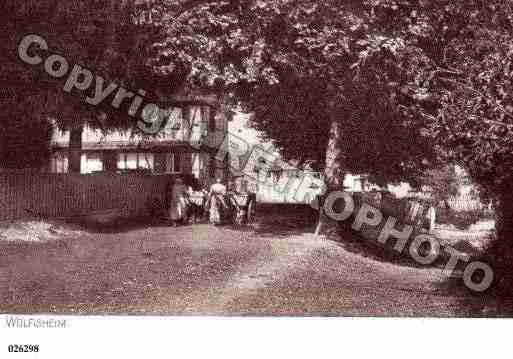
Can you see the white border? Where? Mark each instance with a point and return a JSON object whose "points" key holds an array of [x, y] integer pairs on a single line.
{"points": [[231, 337]]}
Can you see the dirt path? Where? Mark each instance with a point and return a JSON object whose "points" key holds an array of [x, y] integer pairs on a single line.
{"points": [[203, 269], [303, 274]]}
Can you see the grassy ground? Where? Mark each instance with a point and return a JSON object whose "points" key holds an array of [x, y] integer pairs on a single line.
{"points": [[273, 267]]}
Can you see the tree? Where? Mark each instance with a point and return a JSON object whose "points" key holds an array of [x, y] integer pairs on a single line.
{"points": [[384, 72], [290, 62], [101, 36], [462, 85], [24, 140], [443, 183]]}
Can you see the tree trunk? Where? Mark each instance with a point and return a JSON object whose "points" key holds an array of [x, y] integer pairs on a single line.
{"points": [[333, 171], [110, 161], [502, 250], [75, 148]]}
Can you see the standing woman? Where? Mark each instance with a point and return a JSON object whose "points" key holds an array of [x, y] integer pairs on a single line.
{"points": [[216, 202], [178, 202]]}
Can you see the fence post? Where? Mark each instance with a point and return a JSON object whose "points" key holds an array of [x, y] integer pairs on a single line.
{"points": [[320, 204]]}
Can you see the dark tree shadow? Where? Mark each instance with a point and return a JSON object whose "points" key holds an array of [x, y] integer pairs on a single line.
{"points": [[469, 303], [117, 225], [280, 220]]}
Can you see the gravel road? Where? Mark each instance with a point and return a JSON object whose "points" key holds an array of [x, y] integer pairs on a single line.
{"points": [[274, 267]]}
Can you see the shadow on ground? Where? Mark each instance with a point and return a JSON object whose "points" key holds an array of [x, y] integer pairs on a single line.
{"points": [[284, 220], [117, 225]]}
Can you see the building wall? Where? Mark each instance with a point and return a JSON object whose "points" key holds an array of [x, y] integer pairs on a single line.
{"points": [[112, 161], [181, 136]]}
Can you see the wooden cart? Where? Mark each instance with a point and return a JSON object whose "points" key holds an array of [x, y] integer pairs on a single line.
{"points": [[245, 205]]}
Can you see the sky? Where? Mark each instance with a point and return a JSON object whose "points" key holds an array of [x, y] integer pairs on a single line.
{"points": [[240, 128]]}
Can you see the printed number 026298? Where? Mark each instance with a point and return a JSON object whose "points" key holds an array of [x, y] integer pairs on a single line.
{"points": [[15, 348]]}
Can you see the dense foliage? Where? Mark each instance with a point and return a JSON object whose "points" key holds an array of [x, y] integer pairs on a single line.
{"points": [[387, 87], [109, 38]]}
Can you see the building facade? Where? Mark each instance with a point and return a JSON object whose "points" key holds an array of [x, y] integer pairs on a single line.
{"points": [[186, 144]]}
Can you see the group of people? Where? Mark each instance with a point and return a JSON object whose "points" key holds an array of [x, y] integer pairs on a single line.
{"points": [[187, 202]]}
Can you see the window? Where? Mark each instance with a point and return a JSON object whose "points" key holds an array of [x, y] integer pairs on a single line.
{"points": [[146, 161], [91, 162], [360, 183], [127, 161], [59, 163], [196, 164], [173, 124], [173, 163], [134, 161]]}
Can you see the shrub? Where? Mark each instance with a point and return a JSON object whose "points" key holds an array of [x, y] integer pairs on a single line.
{"points": [[462, 219]]}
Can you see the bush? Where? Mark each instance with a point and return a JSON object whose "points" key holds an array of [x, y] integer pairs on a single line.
{"points": [[24, 142], [461, 220]]}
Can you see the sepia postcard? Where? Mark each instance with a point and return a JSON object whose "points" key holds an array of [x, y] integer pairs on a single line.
{"points": [[280, 159]]}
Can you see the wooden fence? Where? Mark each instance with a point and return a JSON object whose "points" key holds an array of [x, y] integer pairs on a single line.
{"points": [[460, 203], [63, 195], [466, 203], [414, 212]]}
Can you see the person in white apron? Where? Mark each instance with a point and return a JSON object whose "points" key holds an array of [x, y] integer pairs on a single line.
{"points": [[178, 202], [216, 203]]}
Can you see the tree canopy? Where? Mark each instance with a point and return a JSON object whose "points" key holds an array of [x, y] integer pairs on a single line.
{"points": [[112, 39], [401, 78], [387, 87], [411, 82]]}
